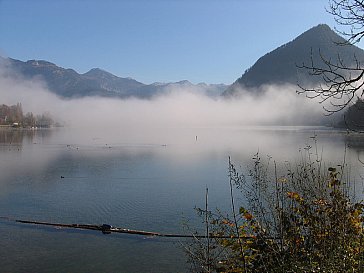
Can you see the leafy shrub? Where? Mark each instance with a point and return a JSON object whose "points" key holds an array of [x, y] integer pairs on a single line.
{"points": [[304, 221]]}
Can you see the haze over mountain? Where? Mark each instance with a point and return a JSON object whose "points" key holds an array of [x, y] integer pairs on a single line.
{"points": [[276, 67], [181, 103], [67, 83], [280, 65]]}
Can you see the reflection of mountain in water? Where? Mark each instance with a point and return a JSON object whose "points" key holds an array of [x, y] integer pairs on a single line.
{"points": [[355, 141]]}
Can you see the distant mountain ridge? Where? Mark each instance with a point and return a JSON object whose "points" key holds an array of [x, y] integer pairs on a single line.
{"points": [[280, 65], [276, 67], [68, 83]]}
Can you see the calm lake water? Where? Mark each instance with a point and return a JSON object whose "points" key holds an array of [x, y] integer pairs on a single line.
{"points": [[135, 179]]}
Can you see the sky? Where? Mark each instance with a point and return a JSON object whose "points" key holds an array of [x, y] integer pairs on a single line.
{"points": [[212, 41]]}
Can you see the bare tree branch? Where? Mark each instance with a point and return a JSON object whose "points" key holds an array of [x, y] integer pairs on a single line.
{"points": [[349, 13], [340, 83]]}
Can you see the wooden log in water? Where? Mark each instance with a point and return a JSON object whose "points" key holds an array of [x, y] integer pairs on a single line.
{"points": [[77, 226], [107, 229]]}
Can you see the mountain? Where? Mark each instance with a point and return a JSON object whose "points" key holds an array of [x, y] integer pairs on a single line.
{"points": [[353, 117], [68, 83], [280, 65]]}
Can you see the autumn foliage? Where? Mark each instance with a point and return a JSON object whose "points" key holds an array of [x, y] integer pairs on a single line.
{"points": [[304, 221]]}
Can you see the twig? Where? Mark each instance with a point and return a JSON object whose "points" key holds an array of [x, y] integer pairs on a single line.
{"points": [[234, 215]]}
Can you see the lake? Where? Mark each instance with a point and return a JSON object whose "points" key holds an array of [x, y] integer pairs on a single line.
{"points": [[132, 179]]}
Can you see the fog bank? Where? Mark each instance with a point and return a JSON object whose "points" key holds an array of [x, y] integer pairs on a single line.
{"points": [[280, 105]]}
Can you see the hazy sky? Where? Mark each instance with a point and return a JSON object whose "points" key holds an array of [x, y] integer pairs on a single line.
{"points": [[155, 40]]}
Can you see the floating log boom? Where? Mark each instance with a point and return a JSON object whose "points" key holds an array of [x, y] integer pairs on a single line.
{"points": [[107, 229]]}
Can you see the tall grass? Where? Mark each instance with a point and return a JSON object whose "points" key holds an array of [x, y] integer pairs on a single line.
{"points": [[303, 219]]}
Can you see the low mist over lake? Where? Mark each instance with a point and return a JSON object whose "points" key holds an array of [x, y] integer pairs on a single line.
{"points": [[148, 181], [119, 122]]}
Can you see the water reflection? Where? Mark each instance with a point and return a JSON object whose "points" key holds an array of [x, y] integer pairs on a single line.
{"points": [[18, 136], [133, 179], [355, 141], [10, 136]]}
